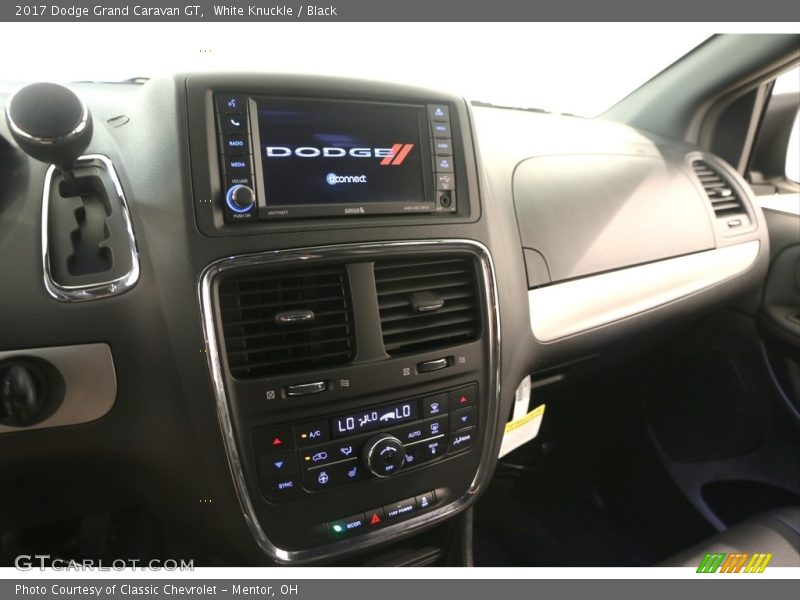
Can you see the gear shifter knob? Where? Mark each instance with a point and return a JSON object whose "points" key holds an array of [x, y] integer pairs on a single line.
{"points": [[50, 123]]}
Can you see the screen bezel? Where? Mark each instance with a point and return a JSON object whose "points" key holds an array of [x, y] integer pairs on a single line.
{"points": [[275, 211]]}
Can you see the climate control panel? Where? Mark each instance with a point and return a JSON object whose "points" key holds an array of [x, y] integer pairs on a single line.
{"points": [[377, 442]]}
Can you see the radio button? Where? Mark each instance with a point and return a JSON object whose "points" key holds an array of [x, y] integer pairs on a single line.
{"points": [[233, 124], [315, 432], [433, 406], [236, 144], [463, 419], [231, 103], [464, 397], [441, 130], [438, 112]]}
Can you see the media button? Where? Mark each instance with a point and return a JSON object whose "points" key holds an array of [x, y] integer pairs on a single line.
{"points": [[433, 406], [236, 144], [438, 112], [441, 130], [443, 164], [237, 165]]}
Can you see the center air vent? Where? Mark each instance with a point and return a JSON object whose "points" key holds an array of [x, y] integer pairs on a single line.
{"points": [[724, 199], [283, 322], [427, 303]]}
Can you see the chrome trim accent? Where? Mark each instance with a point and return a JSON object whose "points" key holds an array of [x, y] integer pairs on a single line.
{"points": [[79, 128], [90, 383], [563, 309], [103, 289], [345, 252]]}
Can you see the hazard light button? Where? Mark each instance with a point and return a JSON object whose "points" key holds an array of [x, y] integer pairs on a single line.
{"points": [[375, 518]]}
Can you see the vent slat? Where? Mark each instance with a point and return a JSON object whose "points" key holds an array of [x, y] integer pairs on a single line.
{"points": [[259, 347], [723, 197], [450, 279]]}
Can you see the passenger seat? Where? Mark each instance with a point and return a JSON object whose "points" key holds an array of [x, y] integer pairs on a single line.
{"points": [[776, 532]]}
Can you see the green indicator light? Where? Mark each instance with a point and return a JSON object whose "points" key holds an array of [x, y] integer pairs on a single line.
{"points": [[338, 528]]}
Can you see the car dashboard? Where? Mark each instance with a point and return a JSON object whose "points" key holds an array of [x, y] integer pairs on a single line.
{"points": [[320, 295]]}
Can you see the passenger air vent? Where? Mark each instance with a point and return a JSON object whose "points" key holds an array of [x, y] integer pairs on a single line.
{"points": [[427, 303], [283, 322], [724, 199]]}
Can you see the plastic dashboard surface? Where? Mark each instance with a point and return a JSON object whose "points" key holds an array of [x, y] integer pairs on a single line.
{"points": [[162, 445]]}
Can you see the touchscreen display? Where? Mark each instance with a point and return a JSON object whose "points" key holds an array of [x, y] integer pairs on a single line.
{"points": [[323, 153]]}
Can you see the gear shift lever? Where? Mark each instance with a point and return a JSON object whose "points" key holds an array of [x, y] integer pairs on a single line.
{"points": [[51, 124]]}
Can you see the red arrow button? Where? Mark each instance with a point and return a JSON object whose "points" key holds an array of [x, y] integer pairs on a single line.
{"points": [[277, 442], [375, 519]]}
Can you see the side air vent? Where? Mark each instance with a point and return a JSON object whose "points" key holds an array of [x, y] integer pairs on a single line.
{"points": [[723, 195], [283, 322], [427, 303]]}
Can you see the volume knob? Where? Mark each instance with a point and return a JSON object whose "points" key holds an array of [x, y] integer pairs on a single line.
{"points": [[240, 198], [384, 455]]}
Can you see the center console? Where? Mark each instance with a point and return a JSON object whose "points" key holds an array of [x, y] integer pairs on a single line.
{"points": [[356, 383]]}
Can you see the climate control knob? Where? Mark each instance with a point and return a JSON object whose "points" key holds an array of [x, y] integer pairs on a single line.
{"points": [[240, 198], [384, 455]]}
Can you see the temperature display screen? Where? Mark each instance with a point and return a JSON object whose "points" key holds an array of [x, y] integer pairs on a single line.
{"points": [[376, 418]]}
